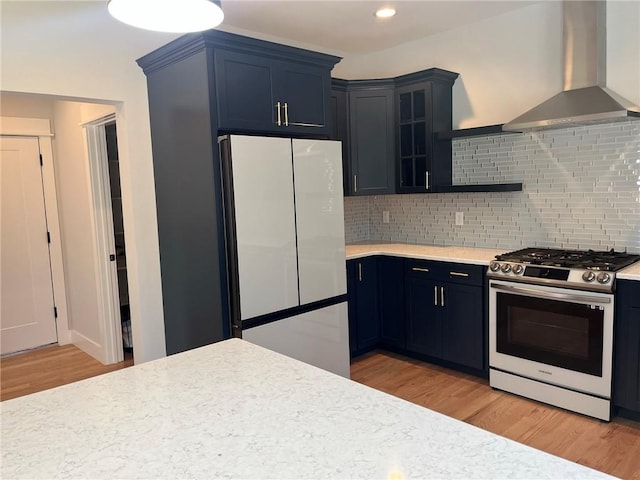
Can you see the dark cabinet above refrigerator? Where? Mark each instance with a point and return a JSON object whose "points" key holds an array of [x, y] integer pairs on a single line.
{"points": [[201, 85]]}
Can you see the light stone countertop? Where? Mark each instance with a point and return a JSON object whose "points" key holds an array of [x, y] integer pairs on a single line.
{"points": [[632, 272], [237, 411], [471, 255]]}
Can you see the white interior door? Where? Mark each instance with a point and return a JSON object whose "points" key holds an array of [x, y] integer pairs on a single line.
{"points": [[265, 224], [26, 291], [320, 219]]}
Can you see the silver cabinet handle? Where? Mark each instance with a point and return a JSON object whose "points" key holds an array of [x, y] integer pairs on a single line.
{"points": [[458, 274], [418, 269], [426, 180], [279, 121], [359, 272], [355, 183], [286, 114], [435, 296], [442, 296]]}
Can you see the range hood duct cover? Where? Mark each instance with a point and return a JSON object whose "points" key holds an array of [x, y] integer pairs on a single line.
{"points": [[585, 98]]}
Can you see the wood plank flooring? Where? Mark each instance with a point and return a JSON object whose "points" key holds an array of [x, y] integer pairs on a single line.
{"points": [[49, 367], [613, 448]]}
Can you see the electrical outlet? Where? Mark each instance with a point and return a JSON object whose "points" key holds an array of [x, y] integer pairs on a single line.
{"points": [[459, 218], [385, 216]]}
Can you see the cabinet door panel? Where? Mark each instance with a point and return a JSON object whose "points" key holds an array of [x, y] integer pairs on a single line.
{"points": [[245, 94], [391, 284], [462, 325], [626, 392], [352, 286], [372, 141], [424, 333], [305, 91], [367, 303]]}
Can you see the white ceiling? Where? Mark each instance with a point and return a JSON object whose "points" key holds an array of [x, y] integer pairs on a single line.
{"points": [[344, 27], [350, 27]]}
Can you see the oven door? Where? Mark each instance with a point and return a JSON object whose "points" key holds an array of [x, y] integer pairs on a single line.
{"points": [[558, 336]]}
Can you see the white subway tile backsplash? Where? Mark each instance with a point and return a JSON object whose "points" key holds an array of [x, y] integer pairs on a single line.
{"points": [[581, 189]]}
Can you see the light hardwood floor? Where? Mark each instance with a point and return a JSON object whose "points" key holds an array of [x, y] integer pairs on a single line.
{"points": [[49, 367], [613, 447]]}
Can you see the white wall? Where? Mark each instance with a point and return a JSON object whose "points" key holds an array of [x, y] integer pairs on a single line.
{"points": [[75, 204], [93, 59], [510, 63]]}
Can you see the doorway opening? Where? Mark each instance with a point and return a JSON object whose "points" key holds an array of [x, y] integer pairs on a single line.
{"points": [[111, 136]]}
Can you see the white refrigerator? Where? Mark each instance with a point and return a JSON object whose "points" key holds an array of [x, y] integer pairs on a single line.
{"points": [[284, 221]]}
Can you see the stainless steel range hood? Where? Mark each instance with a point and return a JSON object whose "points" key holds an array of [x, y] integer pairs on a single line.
{"points": [[585, 98]]}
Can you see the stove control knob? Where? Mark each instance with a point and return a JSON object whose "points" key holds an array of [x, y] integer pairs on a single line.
{"points": [[518, 269], [589, 276], [603, 277], [494, 266], [506, 267]]}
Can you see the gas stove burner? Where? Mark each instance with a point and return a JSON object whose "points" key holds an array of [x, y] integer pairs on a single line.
{"points": [[579, 269], [608, 260]]}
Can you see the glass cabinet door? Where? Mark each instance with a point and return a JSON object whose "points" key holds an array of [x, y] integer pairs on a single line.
{"points": [[414, 138]]}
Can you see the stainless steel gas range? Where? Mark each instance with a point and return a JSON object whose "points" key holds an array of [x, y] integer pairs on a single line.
{"points": [[551, 326]]}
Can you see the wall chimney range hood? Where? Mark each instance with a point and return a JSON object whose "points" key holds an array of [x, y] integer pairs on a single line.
{"points": [[585, 99]]}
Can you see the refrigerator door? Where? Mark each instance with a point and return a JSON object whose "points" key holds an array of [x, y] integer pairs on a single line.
{"points": [[319, 337], [265, 224], [317, 166]]}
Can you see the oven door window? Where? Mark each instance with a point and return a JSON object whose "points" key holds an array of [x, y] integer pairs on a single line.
{"points": [[564, 334]]}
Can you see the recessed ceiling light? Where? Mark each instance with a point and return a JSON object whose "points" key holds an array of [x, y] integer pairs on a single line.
{"points": [[386, 12]]}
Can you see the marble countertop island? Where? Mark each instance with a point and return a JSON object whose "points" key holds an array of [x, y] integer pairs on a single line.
{"points": [[234, 410]]}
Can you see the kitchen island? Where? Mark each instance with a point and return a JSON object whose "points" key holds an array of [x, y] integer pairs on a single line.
{"points": [[235, 410]]}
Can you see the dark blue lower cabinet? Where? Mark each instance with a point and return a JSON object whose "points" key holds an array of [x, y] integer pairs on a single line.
{"points": [[445, 312], [462, 325], [391, 302], [424, 319], [364, 319], [626, 392], [431, 310]]}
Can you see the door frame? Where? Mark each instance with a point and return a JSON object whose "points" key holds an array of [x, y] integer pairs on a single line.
{"points": [[40, 128], [109, 320]]}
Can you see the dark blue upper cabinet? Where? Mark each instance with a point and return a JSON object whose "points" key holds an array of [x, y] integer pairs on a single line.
{"points": [[260, 93], [371, 139], [246, 98], [423, 110]]}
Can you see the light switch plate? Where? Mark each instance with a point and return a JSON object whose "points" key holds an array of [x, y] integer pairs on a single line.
{"points": [[459, 218], [385, 216]]}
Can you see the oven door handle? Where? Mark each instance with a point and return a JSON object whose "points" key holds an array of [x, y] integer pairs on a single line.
{"points": [[557, 295]]}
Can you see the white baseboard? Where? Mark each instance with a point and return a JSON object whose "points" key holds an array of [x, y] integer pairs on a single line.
{"points": [[88, 346]]}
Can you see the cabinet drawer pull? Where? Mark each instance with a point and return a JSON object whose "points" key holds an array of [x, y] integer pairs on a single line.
{"points": [[426, 180], [279, 121], [359, 272], [442, 296], [418, 269], [286, 114], [458, 274], [355, 183], [435, 296]]}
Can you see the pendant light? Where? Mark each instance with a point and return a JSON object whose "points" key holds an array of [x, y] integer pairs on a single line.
{"points": [[176, 16]]}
